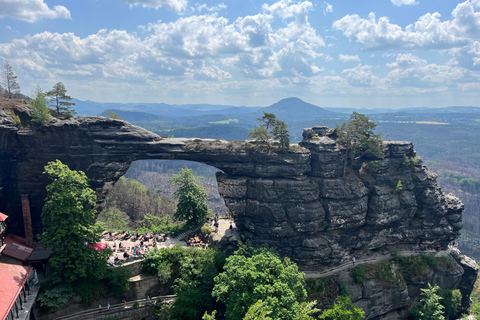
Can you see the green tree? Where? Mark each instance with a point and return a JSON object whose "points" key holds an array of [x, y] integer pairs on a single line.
{"points": [[9, 81], [260, 134], [258, 311], [113, 115], [251, 275], [358, 139], [60, 101], [281, 133], [192, 198], [343, 309], [268, 120], [39, 108], [430, 306], [114, 218], [69, 225]]}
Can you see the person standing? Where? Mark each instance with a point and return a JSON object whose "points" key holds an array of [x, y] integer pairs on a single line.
{"points": [[108, 306], [353, 261]]}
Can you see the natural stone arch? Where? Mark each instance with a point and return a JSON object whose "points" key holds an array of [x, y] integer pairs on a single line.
{"points": [[298, 201]]}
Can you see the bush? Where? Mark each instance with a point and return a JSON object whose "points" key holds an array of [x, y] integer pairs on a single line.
{"points": [[410, 162], [117, 279], [451, 300], [358, 274], [344, 290], [164, 272], [53, 299], [206, 231], [369, 167], [321, 288]]}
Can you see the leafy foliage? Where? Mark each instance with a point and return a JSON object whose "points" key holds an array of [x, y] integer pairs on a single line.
{"points": [[271, 128], [259, 274], [69, 223], [39, 107], [53, 299], [358, 274], [60, 102], [358, 139], [343, 309], [113, 115], [114, 219], [133, 198], [430, 305], [193, 271], [192, 205], [451, 300]]}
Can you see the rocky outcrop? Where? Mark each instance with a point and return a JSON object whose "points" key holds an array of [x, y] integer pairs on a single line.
{"points": [[298, 202]]}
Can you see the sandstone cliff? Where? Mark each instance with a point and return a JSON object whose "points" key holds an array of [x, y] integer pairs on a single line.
{"points": [[298, 202]]}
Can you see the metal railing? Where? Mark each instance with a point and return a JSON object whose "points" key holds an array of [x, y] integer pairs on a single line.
{"points": [[117, 307]]}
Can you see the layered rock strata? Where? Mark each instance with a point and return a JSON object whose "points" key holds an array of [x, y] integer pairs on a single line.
{"points": [[299, 202]]}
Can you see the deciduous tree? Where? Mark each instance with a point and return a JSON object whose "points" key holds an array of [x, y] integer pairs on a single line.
{"points": [[192, 198], [252, 275], [343, 309], [59, 100], [430, 306], [9, 81], [69, 226]]}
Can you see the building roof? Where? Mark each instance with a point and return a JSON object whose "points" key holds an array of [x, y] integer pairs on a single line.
{"points": [[17, 248], [3, 217], [12, 279]]}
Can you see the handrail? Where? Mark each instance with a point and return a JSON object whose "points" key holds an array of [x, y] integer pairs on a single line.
{"points": [[116, 307]]}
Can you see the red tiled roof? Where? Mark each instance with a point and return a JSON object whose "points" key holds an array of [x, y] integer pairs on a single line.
{"points": [[17, 247], [3, 217], [12, 279]]}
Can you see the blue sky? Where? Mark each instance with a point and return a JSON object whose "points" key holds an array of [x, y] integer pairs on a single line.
{"points": [[335, 53]]}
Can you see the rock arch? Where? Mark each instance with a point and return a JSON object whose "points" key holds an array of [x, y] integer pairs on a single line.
{"points": [[297, 201]]}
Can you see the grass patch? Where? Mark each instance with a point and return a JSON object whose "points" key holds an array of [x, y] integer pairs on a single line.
{"points": [[387, 271]]}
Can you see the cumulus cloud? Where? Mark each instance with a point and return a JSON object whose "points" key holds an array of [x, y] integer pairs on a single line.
{"points": [[429, 32], [174, 5], [31, 10], [360, 76], [399, 3], [346, 57], [412, 71], [204, 6], [277, 42]]}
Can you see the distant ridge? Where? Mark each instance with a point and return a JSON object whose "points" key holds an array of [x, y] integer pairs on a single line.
{"points": [[291, 109]]}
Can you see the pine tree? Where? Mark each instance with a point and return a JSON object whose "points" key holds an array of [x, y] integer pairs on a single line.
{"points": [[9, 81], [60, 101]]}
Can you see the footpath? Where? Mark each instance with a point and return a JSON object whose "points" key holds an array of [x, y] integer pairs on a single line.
{"points": [[367, 260]]}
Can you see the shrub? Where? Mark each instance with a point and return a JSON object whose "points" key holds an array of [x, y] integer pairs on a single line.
{"points": [[53, 299], [399, 186], [410, 162], [451, 300], [358, 274], [321, 288], [369, 167], [344, 290], [206, 230], [164, 272]]}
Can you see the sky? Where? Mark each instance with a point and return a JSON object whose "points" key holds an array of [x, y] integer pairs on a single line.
{"points": [[335, 53]]}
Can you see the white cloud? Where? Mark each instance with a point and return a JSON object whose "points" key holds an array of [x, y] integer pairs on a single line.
{"points": [[429, 32], [327, 8], [346, 57], [31, 10], [198, 47], [412, 71], [360, 76], [204, 6], [174, 5], [399, 3]]}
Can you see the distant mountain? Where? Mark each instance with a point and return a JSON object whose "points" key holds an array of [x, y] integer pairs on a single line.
{"points": [[133, 117], [163, 109], [292, 109]]}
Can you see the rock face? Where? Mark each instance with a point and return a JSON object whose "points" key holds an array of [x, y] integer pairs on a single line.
{"points": [[298, 202]]}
